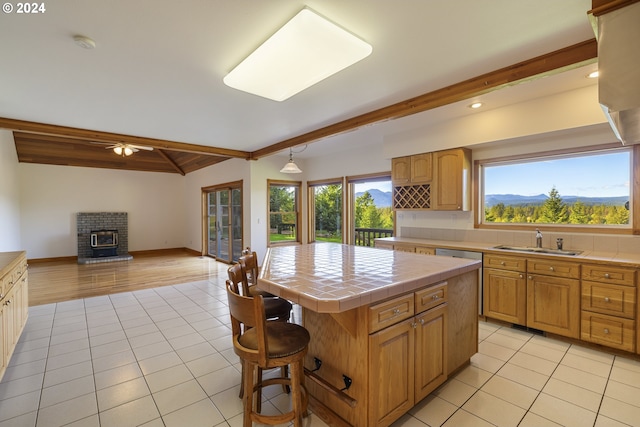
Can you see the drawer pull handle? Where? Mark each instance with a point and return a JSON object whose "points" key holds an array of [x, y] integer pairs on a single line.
{"points": [[606, 299], [396, 311], [521, 276], [552, 269], [502, 263], [607, 276], [414, 325], [422, 322], [530, 277], [606, 331], [435, 297]]}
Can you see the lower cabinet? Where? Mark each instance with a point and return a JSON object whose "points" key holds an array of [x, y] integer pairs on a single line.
{"points": [[408, 360], [13, 303], [505, 292], [553, 304]]}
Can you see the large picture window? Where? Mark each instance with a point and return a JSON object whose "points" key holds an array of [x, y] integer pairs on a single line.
{"points": [[284, 212], [580, 189]]}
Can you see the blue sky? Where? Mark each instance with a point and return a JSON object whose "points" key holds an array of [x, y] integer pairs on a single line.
{"points": [[588, 176]]}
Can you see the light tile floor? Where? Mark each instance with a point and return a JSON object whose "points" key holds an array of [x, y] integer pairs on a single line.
{"points": [[163, 357]]}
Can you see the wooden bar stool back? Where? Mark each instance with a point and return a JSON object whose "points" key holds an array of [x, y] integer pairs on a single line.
{"points": [[266, 345], [249, 260], [276, 308]]}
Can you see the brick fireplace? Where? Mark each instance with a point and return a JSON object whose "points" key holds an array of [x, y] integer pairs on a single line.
{"points": [[102, 237]]}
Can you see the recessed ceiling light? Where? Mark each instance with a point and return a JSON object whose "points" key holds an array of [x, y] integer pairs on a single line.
{"points": [[306, 50], [84, 42], [476, 105], [593, 74]]}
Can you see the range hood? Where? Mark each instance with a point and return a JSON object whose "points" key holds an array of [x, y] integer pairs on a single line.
{"points": [[619, 71]]}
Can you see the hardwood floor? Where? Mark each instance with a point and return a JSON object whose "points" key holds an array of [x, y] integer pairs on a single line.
{"points": [[56, 281]]}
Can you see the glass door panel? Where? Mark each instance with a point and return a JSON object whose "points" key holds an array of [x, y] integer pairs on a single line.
{"points": [[224, 222]]}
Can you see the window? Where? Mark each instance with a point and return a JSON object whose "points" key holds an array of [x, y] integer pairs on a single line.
{"points": [[284, 211], [579, 189], [370, 209], [326, 211]]}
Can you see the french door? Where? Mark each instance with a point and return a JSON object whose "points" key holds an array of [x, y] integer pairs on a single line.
{"points": [[224, 221]]}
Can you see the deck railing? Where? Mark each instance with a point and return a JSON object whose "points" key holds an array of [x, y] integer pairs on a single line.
{"points": [[366, 236]]}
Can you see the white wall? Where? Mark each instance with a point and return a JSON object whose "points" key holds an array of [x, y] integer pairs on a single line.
{"points": [[51, 197], [9, 195]]}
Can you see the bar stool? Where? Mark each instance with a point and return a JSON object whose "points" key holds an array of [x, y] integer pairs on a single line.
{"points": [[249, 260], [265, 345], [276, 309]]}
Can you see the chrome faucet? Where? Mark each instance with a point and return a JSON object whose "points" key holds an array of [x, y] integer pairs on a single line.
{"points": [[538, 238]]}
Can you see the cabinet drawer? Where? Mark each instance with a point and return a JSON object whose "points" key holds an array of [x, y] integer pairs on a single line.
{"points": [[551, 267], [431, 297], [615, 300], [608, 330], [608, 274], [390, 312], [505, 262], [404, 248], [425, 250]]}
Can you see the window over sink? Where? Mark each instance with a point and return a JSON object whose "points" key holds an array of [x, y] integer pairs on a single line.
{"points": [[578, 189]]}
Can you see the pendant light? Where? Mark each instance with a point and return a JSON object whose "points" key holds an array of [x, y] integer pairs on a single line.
{"points": [[290, 167]]}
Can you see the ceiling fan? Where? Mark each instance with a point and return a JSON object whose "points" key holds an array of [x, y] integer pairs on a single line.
{"points": [[122, 149]]}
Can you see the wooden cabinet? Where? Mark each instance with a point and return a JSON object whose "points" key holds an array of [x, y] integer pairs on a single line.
{"points": [[408, 359], [13, 303], [452, 179], [553, 296], [609, 301], [406, 247], [505, 288], [416, 169], [439, 180]]}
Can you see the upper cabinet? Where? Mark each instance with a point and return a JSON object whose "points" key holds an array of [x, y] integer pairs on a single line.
{"points": [[437, 181], [415, 169]]}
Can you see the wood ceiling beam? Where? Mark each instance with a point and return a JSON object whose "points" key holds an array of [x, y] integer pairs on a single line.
{"points": [[170, 161], [92, 135], [551, 63], [600, 7]]}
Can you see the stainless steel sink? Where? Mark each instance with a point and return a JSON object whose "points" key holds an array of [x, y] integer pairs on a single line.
{"points": [[537, 250]]}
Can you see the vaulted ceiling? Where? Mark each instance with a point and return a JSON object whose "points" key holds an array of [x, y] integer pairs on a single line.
{"points": [[155, 76]]}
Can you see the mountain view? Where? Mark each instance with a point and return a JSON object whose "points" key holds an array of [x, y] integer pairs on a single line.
{"points": [[520, 200], [382, 199]]}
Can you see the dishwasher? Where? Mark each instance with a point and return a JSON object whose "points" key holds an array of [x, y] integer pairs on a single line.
{"points": [[456, 253]]}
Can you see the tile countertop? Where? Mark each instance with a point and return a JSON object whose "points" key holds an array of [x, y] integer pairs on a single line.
{"points": [[623, 258], [332, 277]]}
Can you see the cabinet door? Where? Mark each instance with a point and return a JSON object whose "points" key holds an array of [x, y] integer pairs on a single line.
{"points": [[392, 358], [9, 324], [553, 304], [422, 168], [451, 180], [401, 170], [431, 350], [505, 295], [3, 358]]}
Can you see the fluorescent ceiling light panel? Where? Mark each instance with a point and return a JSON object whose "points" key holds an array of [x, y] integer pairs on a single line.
{"points": [[306, 50]]}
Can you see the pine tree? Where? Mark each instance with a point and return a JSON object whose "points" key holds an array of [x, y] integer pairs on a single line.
{"points": [[553, 211]]}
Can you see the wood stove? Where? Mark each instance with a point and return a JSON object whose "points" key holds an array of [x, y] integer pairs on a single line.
{"points": [[104, 243]]}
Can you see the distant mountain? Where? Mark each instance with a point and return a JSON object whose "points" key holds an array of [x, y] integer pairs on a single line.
{"points": [[519, 200], [381, 199]]}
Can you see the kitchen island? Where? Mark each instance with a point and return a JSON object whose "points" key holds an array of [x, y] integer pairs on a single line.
{"points": [[388, 327]]}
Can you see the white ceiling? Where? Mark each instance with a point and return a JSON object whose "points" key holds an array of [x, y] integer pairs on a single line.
{"points": [[158, 65]]}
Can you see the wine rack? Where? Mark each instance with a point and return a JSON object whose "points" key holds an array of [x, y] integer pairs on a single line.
{"points": [[412, 197]]}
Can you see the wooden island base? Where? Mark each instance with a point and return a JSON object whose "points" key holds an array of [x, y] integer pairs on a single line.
{"points": [[394, 352]]}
